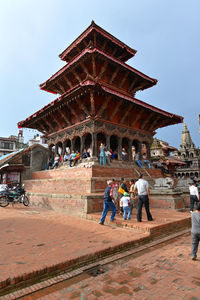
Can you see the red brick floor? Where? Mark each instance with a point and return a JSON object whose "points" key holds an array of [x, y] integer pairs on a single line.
{"points": [[162, 273], [32, 239]]}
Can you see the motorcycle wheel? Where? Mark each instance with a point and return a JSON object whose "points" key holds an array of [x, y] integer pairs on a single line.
{"points": [[26, 201], [4, 201]]}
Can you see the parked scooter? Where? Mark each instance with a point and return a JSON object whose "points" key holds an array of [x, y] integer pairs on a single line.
{"points": [[15, 195]]}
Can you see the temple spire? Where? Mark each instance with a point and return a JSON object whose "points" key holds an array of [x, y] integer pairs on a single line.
{"points": [[186, 140]]}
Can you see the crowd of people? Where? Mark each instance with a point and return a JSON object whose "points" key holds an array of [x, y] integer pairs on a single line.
{"points": [[69, 157], [125, 197]]}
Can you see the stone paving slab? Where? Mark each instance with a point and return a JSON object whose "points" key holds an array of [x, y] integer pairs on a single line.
{"points": [[33, 239], [165, 273]]}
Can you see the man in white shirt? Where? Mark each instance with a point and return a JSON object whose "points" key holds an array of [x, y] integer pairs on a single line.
{"points": [[194, 195], [141, 187]]}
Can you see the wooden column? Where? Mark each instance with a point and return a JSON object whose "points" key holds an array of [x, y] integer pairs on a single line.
{"points": [[108, 142], [130, 157], [64, 148], [119, 148], [94, 145], [140, 150], [82, 144], [72, 145], [148, 151], [56, 149]]}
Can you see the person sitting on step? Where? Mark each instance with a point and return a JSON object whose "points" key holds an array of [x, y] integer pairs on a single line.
{"points": [[137, 160]]}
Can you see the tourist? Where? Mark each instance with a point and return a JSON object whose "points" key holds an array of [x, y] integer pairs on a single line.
{"points": [[108, 203], [122, 189], [113, 155], [194, 195], [66, 156], [161, 165], [108, 156], [85, 154], [50, 163], [132, 194], [56, 161], [72, 157], [77, 157], [142, 189], [146, 161], [124, 154], [137, 160], [114, 193], [195, 231], [125, 203], [102, 155]]}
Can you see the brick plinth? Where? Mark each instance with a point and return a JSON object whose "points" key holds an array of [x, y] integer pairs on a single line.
{"points": [[79, 190]]}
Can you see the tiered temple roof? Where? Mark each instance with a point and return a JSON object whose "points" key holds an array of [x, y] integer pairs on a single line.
{"points": [[97, 84]]}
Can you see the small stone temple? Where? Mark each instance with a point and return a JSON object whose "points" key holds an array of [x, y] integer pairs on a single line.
{"points": [[96, 103], [190, 155]]}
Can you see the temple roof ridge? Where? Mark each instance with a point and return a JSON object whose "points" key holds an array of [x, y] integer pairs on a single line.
{"points": [[103, 32]]}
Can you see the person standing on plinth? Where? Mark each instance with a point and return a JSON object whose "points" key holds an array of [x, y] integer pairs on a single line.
{"points": [[194, 195], [141, 187], [102, 155], [108, 203], [195, 231]]}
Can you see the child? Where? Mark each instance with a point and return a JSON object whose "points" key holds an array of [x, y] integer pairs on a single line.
{"points": [[125, 202]]}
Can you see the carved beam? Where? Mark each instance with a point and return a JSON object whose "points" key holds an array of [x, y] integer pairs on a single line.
{"points": [[114, 75], [103, 69], [123, 80], [60, 87], [145, 122], [138, 87], [84, 108], [94, 66], [76, 76], [138, 116], [126, 113], [104, 106], [156, 121], [104, 45], [84, 68], [115, 110], [73, 111], [65, 118], [133, 84], [68, 81], [49, 124], [114, 52], [92, 102], [45, 130]]}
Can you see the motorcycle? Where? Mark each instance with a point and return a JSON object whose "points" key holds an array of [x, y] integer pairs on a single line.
{"points": [[15, 195]]}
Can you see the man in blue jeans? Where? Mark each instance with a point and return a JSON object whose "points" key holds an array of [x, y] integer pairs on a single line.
{"points": [[108, 203]]}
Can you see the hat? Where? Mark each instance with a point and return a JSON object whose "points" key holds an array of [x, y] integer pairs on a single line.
{"points": [[126, 194], [109, 182]]}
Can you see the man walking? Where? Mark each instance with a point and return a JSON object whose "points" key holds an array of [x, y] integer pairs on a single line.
{"points": [[141, 187], [108, 203], [194, 195], [195, 231]]}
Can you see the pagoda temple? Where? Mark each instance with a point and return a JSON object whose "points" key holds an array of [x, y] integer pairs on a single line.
{"points": [[96, 99]]}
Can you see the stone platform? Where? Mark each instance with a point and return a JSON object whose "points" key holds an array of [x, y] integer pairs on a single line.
{"points": [[36, 243], [78, 190]]}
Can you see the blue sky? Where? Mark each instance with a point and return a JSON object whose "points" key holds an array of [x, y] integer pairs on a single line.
{"points": [[164, 33]]}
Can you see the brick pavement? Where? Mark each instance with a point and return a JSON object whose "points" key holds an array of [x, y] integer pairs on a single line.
{"points": [[33, 239], [163, 273]]}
